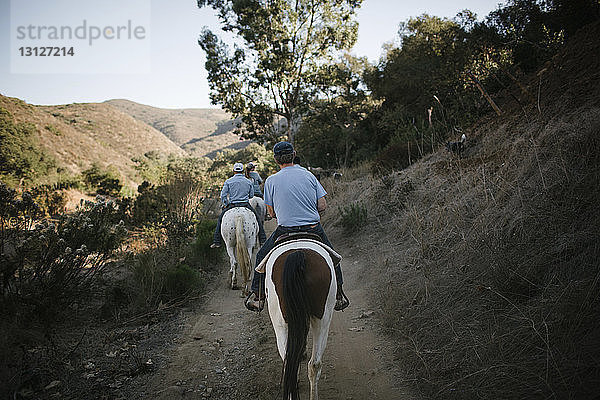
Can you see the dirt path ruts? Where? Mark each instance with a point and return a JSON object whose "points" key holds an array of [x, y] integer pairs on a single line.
{"points": [[227, 352]]}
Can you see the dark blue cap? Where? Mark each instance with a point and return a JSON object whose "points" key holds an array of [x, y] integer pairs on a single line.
{"points": [[283, 148]]}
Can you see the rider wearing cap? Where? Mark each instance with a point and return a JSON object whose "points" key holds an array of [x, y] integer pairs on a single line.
{"points": [[254, 178], [236, 192], [295, 197]]}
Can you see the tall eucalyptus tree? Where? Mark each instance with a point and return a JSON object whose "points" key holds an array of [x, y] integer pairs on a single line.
{"points": [[275, 69]]}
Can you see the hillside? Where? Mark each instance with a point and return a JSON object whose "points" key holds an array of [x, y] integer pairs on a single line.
{"points": [[201, 132], [78, 135], [486, 266]]}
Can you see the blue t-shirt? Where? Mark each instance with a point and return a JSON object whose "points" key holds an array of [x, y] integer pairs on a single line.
{"points": [[237, 189], [293, 193]]}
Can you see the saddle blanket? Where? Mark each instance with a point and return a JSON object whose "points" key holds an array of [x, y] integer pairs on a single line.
{"points": [[335, 256]]}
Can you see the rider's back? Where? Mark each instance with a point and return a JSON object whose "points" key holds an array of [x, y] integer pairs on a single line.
{"points": [[293, 193]]}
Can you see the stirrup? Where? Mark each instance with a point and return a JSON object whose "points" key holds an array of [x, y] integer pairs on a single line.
{"points": [[256, 304], [341, 303]]}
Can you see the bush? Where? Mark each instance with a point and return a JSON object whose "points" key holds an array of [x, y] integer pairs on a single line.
{"points": [[201, 253], [22, 159], [150, 206], [182, 281], [54, 130], [49, 266], [394, 157], [353, 217], [168, 270], [176, 204], [148, 278], [101, 181], [159, 277]]}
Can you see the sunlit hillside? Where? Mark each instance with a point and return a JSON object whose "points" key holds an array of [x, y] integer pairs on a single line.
{"points": [[78, 135], [201, 132]]}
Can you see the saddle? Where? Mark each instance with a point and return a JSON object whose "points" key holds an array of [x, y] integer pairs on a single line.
{"points": [[235, 205], [305, 237], [286, 237]]}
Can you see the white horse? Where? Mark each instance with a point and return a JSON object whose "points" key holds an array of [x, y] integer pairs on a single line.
{"points": [[300, 288], [259, 206], [239, 230]]}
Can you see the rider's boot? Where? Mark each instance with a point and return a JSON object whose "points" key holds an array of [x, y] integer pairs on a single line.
{"points": [[255, 302], [341, 301]]}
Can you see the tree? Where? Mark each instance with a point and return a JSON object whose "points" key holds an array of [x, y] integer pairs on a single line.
{"points": [[330, 134], [428, 62], [421, 83], [273, 73]]}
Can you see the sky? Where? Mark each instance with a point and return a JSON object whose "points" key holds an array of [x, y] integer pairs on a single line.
{"points": [[155, 59]]}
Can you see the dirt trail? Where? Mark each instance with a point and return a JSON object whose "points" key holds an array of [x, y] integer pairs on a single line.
{"points": [[227, 352]]}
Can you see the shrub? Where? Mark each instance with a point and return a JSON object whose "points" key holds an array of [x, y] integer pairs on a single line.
{"points": [[51, 265], [159, 277], [176, 204], [182, 281], [184, 205], [201, 252], [353, 217], [150, 206], [54, 130], [21, 156], [151, 167], [171, 270], [394, 157], [52, 197], [101, 181]]}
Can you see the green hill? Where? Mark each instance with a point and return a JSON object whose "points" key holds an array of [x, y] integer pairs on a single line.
{"points": [[79, 135]]}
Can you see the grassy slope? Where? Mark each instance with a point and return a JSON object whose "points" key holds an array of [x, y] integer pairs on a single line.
{"points": [[80, 134], [488, 266], [201, 132]]}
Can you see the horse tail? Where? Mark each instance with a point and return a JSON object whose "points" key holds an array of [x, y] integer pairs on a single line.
{"points": [[241, 251], [297, 309]]}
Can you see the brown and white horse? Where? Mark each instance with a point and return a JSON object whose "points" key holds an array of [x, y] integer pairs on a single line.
{"points": [[300, 287]]}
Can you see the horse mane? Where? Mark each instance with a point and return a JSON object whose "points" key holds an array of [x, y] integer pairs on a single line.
{"points": [[298, 318]]}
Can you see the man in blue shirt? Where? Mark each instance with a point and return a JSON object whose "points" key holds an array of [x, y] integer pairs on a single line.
{"points": [[236, 192], [295, 197]]}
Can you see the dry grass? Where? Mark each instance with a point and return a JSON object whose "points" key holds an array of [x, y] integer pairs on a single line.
{"points": [[490, 262]]}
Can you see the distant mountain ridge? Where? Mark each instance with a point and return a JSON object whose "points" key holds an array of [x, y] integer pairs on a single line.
{"points": [[81, 134], [199, 131]]}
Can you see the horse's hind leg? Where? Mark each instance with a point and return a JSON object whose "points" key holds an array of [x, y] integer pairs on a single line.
{"points": [[279, 325], [232, 268], [247, 273], [320, 330]]}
